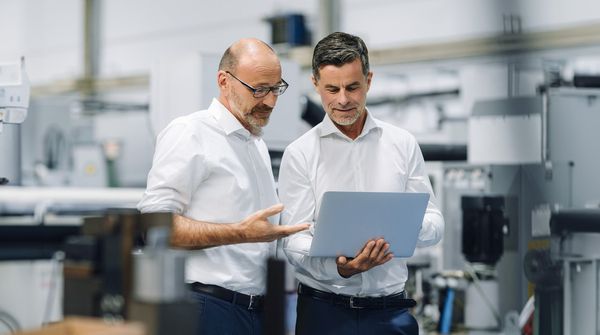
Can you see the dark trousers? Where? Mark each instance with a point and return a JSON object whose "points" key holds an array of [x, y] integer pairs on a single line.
{"points": [[322, 317], [219, 317]]}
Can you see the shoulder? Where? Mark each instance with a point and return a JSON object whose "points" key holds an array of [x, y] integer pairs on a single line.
{"points": [[306, 142], [396, 134], [187, 126]]}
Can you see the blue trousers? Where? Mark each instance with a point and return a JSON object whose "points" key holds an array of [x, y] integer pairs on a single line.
{"points": [[219, 317], [321, 317]]}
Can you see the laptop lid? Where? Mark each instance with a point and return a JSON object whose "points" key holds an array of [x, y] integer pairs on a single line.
{"points": [[347, 220]]}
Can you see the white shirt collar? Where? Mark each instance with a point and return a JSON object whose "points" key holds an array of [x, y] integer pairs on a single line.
{"points": [[226, 120], [327, 127]]}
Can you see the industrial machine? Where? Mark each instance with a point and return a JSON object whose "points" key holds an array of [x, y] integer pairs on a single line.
{"points": [[120, 268], [483, 228], [540, 148], [481, 245], [14, 102], [566, 274]]}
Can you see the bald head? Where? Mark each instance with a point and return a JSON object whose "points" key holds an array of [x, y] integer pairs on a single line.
{"points": [[247, 50], [246, 65]]}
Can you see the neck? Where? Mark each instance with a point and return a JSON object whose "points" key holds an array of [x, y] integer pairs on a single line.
{"points": [[353, 130], [256, 131]]}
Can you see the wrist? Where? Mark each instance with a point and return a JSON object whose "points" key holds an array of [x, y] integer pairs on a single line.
{"points": [[345, 273], [239, 233]]}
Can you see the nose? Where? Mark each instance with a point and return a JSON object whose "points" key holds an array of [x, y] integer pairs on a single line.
{"points": [[343, 98], [270, 99]]}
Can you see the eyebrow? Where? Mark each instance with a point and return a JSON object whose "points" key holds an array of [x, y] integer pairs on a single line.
{"points": [[335, 86], [264, 84]]}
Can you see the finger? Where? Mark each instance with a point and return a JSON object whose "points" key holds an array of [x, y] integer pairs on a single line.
{"points": [[369, 248], [383, 253], [267, 212], [366, 250], [341, 260], [293, 229], [377, 249]]}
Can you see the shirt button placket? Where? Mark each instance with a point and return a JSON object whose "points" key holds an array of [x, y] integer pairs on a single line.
{"points": [[355, 160], [257, 167]]}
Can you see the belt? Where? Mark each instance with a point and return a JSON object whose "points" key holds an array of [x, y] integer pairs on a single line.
{"points": [[398, 300], [251, 302]]}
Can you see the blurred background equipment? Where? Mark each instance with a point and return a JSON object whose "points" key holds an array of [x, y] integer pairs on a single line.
{"points": [[484, 227], [504, 106], [14, 103]]}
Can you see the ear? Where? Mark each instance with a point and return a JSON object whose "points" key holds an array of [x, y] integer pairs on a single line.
{"points": [[314, 81], [369, 77], [222, 80]]}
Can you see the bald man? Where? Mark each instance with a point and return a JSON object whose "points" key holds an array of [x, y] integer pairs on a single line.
{"points": [[212, 170]]}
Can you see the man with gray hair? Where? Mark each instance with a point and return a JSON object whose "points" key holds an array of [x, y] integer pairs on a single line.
{"points": [[213, 171], [350, 150]]}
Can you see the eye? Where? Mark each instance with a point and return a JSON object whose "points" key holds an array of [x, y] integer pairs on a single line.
{"points": [[262, 90], [333, 89]]}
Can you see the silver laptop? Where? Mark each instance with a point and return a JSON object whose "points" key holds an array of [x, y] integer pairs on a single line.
{"points": [[347, 220]]}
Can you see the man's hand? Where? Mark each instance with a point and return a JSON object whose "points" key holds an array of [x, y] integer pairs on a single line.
{"points": [[257, 228], [192, 234], [372, 254]]}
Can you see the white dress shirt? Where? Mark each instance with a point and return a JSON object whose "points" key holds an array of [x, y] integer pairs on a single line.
{"points": [[383, 158], [208, 167]]}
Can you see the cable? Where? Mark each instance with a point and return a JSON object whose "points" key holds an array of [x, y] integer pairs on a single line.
{"points": [[10, 321], [57, 259], [487, 301]]}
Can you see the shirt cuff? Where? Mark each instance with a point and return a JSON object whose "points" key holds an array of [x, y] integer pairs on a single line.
{"points": [[330, 267]]}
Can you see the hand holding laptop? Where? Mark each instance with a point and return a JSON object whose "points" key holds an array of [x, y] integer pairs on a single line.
{"points": [[373, 253]]}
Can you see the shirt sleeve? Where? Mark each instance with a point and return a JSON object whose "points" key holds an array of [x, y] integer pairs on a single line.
{"points": [[432, 229], [298, 198], [177, 170]]}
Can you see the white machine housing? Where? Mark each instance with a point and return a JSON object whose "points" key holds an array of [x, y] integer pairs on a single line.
{"points": [[14, 102]]}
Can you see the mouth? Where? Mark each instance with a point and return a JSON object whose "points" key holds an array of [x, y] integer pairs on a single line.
{"points": [[347, 110], [262, 115]]}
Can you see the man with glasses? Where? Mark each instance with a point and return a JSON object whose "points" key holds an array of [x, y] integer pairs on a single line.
{"points": [[351, 151], [213, 171]]}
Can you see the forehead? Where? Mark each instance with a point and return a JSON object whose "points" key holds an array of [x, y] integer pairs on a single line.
{"points": [[262, 72], [341, 75]]}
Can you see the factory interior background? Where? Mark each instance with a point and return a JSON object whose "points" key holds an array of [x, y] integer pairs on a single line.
{"points": [[502, 97]]}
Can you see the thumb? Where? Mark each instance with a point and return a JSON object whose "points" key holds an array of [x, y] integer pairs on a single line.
{"points": [[275, 209], [288, 230], [341, 260]]}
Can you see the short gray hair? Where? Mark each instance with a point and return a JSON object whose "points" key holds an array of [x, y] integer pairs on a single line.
{"points": [[339, 49], [229, 61]]}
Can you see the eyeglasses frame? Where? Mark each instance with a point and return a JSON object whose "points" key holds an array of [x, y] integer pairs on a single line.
{"points": [[271, 88]]}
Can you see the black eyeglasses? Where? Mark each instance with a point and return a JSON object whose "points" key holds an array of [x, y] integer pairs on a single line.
{"points": [[262, 91]]}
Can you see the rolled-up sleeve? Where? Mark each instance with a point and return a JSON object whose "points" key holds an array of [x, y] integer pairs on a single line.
{"points": [[298, 197], [177, 170], [432, 229]]}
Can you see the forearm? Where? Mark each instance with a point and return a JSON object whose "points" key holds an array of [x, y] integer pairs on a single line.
{"points": [[193, 234], [296, 248]]}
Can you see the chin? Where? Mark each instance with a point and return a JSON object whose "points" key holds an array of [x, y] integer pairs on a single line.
{"points": [[345, 121]]}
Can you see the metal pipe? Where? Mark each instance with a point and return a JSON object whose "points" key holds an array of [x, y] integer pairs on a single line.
{"points": [[329, 20], [91, 45], [545, 135]]}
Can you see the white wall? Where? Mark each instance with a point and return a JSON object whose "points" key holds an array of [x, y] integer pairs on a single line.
{"points": [[134, 33], [49, 32], [385, 23]]}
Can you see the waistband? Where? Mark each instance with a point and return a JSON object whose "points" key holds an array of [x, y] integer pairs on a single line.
{"points": [[397, 300], [251, 302]]}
